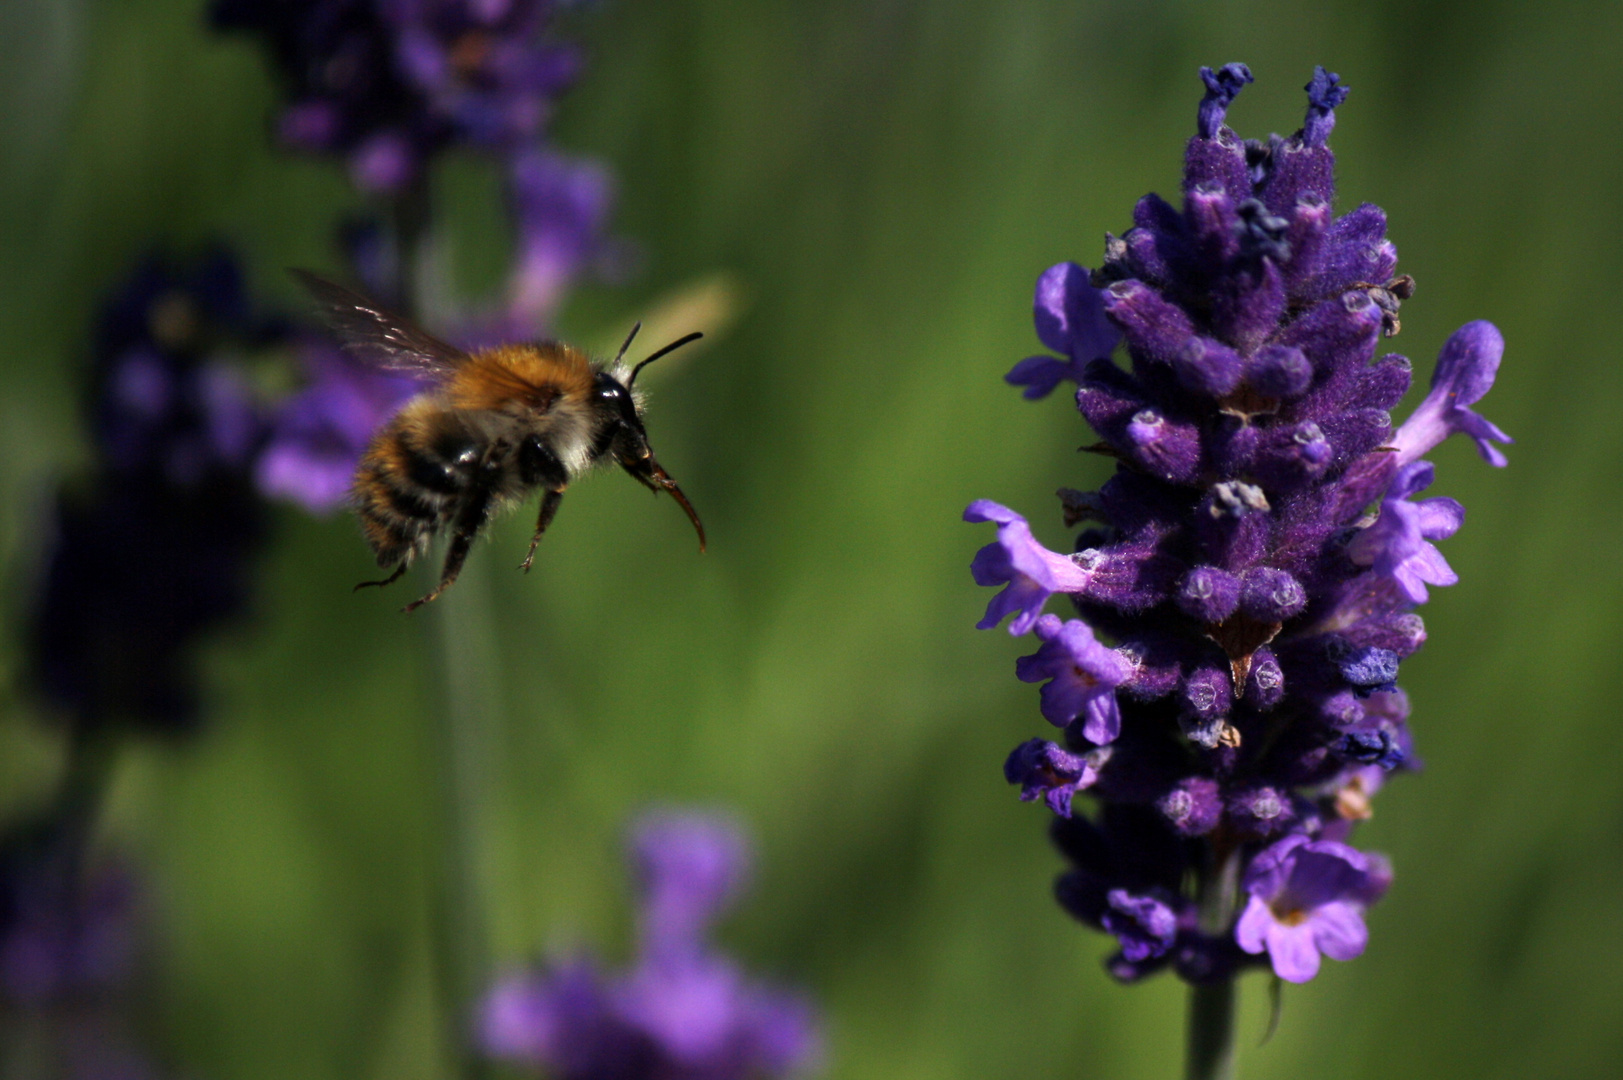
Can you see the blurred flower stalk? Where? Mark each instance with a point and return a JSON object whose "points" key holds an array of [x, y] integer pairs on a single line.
{"points": [[150, 554], [1245, 590]]}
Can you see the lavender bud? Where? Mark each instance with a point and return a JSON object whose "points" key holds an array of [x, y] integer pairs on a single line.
{"points": [[1271, 595], [1209, 594]]}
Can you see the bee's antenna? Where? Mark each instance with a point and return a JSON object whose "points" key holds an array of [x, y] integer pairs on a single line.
{"points": [[627, 344], [672, 347]]}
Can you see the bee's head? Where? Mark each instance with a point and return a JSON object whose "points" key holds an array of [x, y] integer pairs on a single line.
{"points": [[623, 436]]}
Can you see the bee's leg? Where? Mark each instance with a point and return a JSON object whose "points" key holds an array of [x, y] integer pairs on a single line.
{"points": [[549, 507], [539, 467], [469, 520], [390, 580]]}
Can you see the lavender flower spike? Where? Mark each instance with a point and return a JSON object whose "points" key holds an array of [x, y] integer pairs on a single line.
{"points": [[1466, 367], [1033, 573], [1226, 677]]}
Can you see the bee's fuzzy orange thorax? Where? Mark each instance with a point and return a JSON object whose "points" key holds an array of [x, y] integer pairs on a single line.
{"points": [[534, 376]]}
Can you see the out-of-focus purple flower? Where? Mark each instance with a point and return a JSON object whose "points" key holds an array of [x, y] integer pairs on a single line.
{"points": [[689, 868], [486, 67], [1398, 545], [1145, 925], [318, 435], [389, 83], [1031, 572], [65, 930], [154, 549], [1071, 320], [560, 207], [1465, 371], [682, 1012], [1240, 623], [1307, 897], [1083, 676], [67, 952]]}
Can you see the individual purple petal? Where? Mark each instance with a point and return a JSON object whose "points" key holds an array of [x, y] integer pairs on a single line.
{"points": [[1083, 676], [1040, 375], [1048, 771], [1030, 571], [1465, 371], [1397, 546], [1070, 317], [560, 207], [1339, 931], [533, 1017], [1324, 95], [1222, 87], [689, 868], [1145, 925]]}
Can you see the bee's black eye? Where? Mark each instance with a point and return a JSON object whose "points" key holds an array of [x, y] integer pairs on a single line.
{"points": [[609, 389]]}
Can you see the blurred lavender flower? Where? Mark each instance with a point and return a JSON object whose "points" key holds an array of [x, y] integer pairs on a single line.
{"points": [[153, 549], [318, 434], [67, 946], [387, 84], [560, 208], [1228, 693], [682, 1012], [65, 934]]}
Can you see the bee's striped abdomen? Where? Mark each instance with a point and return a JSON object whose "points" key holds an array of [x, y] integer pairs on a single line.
{"points": [[412, 479]]}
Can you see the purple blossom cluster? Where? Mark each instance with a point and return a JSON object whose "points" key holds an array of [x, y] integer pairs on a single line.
{"points": [[153, 549], [1244, 591], [67, 950], [388, 86], [682, 1012]]}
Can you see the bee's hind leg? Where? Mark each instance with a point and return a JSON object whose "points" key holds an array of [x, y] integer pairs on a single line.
{"points": [[549, 507], [469, 520], [390, 580]]}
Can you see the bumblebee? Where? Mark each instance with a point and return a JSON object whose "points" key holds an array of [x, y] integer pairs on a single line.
{"points": [[495, 425]]}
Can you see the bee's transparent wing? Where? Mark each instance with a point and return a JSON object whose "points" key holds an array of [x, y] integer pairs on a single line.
{"points": [[377, 335]]}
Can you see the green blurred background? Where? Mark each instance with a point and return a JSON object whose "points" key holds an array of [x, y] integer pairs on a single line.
{"points": [[884, 180]]}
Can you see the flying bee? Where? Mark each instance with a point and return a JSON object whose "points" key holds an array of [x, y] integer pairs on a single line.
{"points": [[497, 424]]}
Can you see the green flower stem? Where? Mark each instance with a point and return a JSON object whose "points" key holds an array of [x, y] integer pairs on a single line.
{"points": [[468, 720], [1211, 1031], [1211, 1006]]}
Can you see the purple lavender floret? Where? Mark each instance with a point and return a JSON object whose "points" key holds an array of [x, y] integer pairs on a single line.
{"points": [[153, 549], [1243, 593], [317, 435], [1306, 897], [682, 1012]]}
